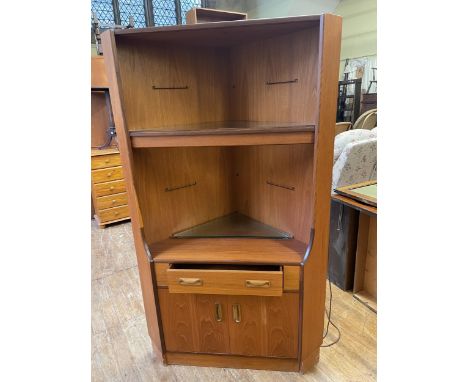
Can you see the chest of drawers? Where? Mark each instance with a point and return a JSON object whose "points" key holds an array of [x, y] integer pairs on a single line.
{"points": [[108, 187]]}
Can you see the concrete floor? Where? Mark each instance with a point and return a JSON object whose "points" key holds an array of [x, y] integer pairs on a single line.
{"points": [[121, 348]]}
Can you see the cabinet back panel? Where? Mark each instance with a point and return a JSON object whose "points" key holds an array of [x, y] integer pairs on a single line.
{"points": [[274, 186], [187, 204], [283, 58], [201, 70]]}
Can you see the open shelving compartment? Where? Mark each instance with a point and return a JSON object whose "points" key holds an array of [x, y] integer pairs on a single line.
{"points": [[236, 203], [222, 127], [246, 84]]}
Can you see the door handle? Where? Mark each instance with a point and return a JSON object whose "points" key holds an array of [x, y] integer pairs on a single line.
{"points": [[257, 283], [236, 313], [218, 312], [190, 281]]}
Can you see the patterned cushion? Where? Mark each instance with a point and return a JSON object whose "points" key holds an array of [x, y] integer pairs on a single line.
{"points": [[342, 139], [357, 163]]}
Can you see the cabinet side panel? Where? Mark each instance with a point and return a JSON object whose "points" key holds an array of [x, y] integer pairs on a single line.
{"points": [[290, 57], [149, 298], [315, 267]]}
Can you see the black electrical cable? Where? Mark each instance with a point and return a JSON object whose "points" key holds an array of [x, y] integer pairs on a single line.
{"points": [[328, 313], [107, 144], [110, 135]]}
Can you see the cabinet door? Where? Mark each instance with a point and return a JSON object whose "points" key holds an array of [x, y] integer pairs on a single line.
{"points": [[212, 327], [246, 325], [242, 325], [194, 323], [264, 326], [282, 324], [177, 315]]}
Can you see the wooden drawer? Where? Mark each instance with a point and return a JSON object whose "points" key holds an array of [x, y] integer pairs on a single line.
{"points": [[103, 161], [109, 188], [115, 213], [225, 279], [107, 174], [110, 201]]}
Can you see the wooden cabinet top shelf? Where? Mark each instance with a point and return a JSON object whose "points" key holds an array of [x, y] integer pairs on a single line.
{"points": [[230, 32], [238, 250], [225, 133]]}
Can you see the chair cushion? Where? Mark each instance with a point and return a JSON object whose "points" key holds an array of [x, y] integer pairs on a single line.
{"points": [[342, 139], [373, 133]]}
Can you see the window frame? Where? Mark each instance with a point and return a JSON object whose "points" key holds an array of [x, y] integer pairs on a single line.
{"points": [[149, 12]]}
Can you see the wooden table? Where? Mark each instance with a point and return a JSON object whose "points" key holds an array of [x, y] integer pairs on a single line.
{"points": [[365, 271]]}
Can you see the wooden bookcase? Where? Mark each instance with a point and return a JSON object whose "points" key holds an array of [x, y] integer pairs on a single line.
{"points": [[226, 133]]}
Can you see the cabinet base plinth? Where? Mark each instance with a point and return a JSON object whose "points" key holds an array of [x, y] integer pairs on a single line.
{"points": [[309, 363], [232, 361]]}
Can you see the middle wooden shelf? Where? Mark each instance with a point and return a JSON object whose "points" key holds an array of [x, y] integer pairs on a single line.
{"points": [[232, 250], [224, 133]]}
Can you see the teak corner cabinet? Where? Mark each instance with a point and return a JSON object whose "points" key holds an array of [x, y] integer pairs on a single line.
{"points": [[226, 134]]}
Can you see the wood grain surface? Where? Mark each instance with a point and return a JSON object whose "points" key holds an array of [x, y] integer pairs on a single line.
{"points": [[206, 15], [315, 267], [226, 281], [107, 174], [249, 251], [110, 201], [268, 325], [109, 188], [103, 160], [187, 75], [98, 73], [122, 350]]}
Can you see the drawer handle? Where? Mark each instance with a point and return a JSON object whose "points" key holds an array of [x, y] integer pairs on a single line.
{"points": [[257, 283], [218, 312], [236, 313], [190, 281]]}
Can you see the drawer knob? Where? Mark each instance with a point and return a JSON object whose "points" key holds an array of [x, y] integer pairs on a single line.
{"points": [[116, 213], [109, 174], [107, 161], [190, 281], [111, 188], [257, 283], [113, 201]]}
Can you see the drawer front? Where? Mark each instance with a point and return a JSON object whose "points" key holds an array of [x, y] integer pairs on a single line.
{"points": [[230, 282], [115, 213], [110, 201], [107, 174], [103, 161], [109, 188]]}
